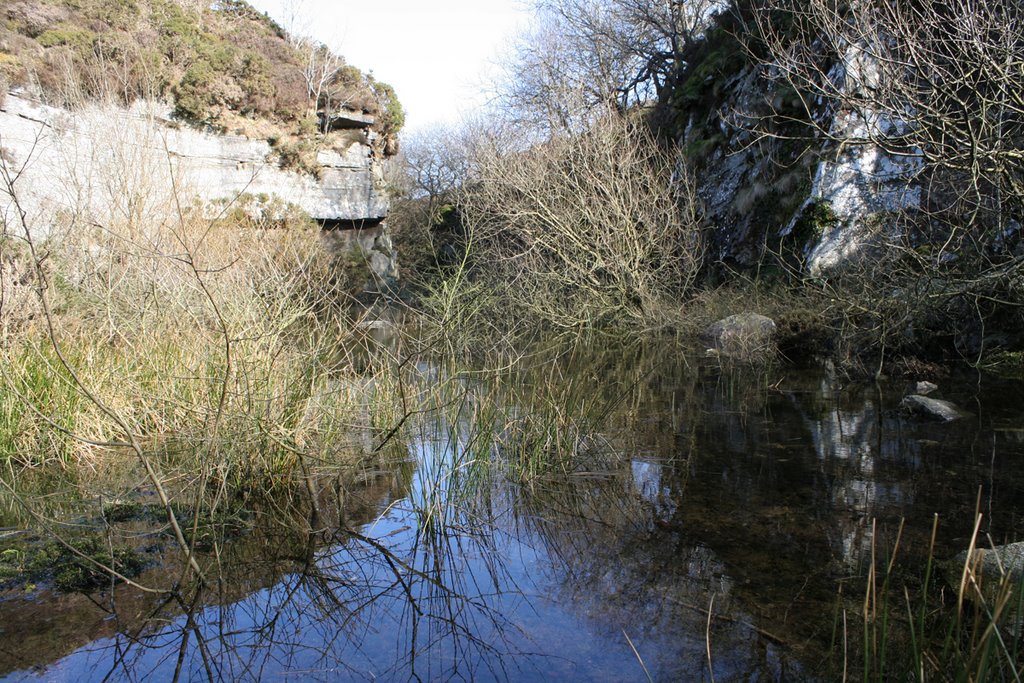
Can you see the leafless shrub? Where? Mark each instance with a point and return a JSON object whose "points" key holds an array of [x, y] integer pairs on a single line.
{"points": [[585, 228]]}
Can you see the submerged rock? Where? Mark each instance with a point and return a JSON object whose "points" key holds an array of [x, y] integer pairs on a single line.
{"points": [[932, 408], [741, 336]]}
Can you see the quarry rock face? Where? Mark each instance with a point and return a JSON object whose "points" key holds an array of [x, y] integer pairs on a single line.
{"points": [[830, 198], [104, 160], [66, 154]]}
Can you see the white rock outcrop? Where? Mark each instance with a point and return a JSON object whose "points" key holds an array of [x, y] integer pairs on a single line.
{"points": [[102, 158]]}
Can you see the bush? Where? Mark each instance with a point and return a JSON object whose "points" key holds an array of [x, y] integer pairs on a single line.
{"points": [[195, 92], [298, 154], [599, 227], [391, 115], [79, 39]]}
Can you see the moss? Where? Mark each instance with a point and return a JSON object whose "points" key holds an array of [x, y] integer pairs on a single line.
{"points": [[72, 573], [700, 149], [718, 57], [814, 221], [12, 563], [70, 569], [121, 510]]}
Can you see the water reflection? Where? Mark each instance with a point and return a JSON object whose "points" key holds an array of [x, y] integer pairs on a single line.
{"points": [[702, 524]]}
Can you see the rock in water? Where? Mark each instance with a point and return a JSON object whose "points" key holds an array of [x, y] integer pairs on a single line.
{"points": [[989, 566], [987, 584], [743, 335], [995, 562], [933, 408], [925, 388]]}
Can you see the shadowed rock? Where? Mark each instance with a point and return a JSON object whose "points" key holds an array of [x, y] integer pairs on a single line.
{"points": [[995, 562], [993, 571]]}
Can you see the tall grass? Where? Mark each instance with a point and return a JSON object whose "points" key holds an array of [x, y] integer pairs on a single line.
{"points": [[133, 316], [951, 622], [233, 343]]}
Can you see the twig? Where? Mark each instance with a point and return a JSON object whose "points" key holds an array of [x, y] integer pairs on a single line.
{"points": [[638, 657], [707, 638]]}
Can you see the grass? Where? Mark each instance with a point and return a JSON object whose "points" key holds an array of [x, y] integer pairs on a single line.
{"points": [[923, 626], [191, 335]]}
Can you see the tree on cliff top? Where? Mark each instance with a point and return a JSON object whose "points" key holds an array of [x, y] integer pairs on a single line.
{"points": [[584, 56]]}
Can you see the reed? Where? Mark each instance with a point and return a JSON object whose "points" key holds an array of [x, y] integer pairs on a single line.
{"points": [[924, 627]]}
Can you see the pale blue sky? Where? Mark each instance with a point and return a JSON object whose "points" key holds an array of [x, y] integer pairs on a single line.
{"points": [[435, 53]]}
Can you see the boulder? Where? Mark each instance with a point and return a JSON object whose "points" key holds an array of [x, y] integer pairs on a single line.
{"points": [[986, 584], [932, 408], [988, 567], [995, 562], [925, 388], [743, 335]]}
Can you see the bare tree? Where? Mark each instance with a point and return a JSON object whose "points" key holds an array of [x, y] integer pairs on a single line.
{"points": [[320, 66], [585, 56], [436, 162], [320, 70]]}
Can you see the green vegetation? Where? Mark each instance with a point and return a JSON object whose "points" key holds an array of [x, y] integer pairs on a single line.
{"points": [[1006, 363], [958, 626], [74, 566], [237, 348], [391, 116], [716, 59], [814, 221], [221, 64]]}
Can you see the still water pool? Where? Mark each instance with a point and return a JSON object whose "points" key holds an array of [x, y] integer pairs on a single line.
{"points": [[708, 524]]}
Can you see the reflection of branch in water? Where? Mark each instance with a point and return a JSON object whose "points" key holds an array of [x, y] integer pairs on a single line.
{"points": [[446, 599], [339, 613]]}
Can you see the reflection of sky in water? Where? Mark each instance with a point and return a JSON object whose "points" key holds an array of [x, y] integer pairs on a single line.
{"points": [[503, 601], [547, 580], [647, 480]]}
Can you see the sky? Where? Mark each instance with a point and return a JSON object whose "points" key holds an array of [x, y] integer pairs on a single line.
{"points": [[435, 53]]}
